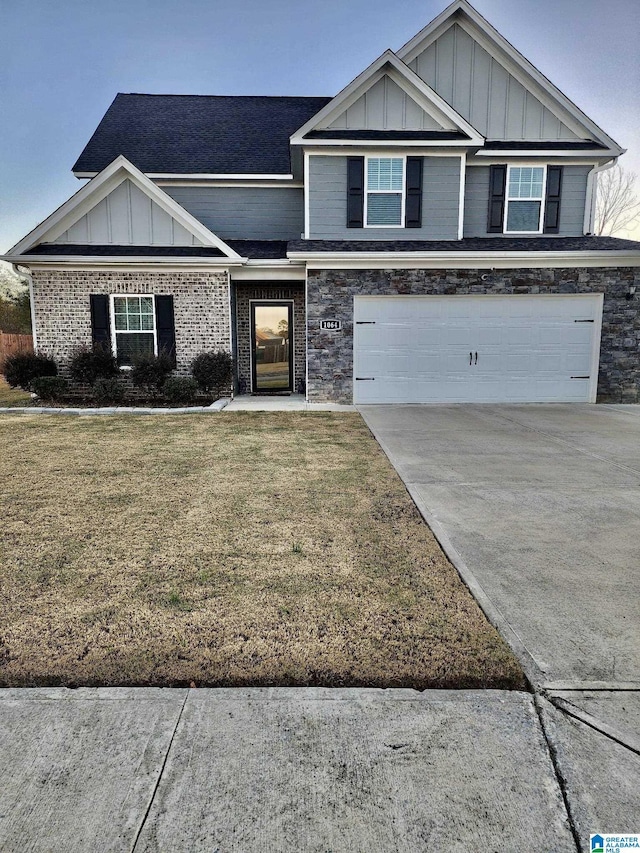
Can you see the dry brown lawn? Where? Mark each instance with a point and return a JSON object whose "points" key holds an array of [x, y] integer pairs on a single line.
{"points": [[13, 396], [232, 549]]}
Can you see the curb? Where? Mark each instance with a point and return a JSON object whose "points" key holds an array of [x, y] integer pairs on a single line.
{"points": [[218, 406]]}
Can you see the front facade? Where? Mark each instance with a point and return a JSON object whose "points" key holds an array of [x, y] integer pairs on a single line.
{"points": [[423, 236]]}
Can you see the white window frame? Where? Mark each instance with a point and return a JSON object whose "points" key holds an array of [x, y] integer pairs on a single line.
{"points": [[542, 199], [403, 191], [112, 319]]}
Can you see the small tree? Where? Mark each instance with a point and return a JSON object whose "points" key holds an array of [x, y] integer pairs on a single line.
{"points": [[617, 205], [213, 371]]}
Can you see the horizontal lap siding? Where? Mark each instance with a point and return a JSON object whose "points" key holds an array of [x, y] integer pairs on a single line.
{"points": [[328, 202], [572, 203], [245, 213]]}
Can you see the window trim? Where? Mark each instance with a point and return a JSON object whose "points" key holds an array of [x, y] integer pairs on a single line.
{"points": [[403, 191], [112, 322], [542, 198]]}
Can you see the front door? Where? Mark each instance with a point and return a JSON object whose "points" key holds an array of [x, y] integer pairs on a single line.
{"points": [[272, 347]]}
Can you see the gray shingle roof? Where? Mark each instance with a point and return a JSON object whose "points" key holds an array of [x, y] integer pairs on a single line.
{"points": [[198, 134], [471, 244]]}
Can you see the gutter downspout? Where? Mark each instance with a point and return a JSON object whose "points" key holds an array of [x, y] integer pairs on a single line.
{"points": [[21, 272], [592, 196]]}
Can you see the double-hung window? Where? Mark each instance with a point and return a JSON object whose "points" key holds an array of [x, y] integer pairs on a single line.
{"points": [[384, 195], [133, 323], [524, 202]]}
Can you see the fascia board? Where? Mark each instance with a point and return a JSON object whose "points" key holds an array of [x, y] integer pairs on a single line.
{"points": [[465, 260], [517, 64], [564, 154], [91, 261], [366, 145]]}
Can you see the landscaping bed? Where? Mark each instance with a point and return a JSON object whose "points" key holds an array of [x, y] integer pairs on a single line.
{"points": [[250, 549]]}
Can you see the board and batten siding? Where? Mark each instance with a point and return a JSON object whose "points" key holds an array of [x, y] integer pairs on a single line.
{"points": [[328, 202], [245, 213], [476, 85], [572, 201], [385, 106], [128, 217]]}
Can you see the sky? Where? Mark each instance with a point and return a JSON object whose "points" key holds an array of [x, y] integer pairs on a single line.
{"points": [[63, 61]]}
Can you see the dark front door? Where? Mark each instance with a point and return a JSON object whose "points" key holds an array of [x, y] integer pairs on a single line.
{"points": [[272, 342]]}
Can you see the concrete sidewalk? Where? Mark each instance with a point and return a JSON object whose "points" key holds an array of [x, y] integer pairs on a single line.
{"points": [[276, 771], [282, 403]]}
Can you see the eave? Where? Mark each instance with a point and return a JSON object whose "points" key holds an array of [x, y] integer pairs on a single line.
{"points": [[465, 260]]}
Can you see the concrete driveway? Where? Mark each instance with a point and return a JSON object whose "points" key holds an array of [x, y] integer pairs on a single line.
{"points": [[538, 506], [542, 506]]}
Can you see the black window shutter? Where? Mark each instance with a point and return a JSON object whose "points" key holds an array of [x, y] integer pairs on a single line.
{"points": [[413, 203], [552, 204], [100, 331], [165, 326], [497, 189], [355, 192]]}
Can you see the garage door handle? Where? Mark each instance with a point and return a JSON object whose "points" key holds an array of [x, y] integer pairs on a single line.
{"points": [[470, 358], [365, 378], [476, 358]]}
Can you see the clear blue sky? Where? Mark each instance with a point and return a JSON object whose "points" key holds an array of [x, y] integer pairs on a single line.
{"points": [[64, 60]]}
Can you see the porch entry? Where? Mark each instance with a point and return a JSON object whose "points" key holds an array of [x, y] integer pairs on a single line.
{"points": [[272, 347]]}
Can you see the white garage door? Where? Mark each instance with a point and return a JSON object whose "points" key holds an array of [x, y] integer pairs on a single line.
{"points": [[480, 349]]}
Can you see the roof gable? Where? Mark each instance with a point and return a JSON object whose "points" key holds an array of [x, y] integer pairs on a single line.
{"points": [[122, 207], [492, 85], [389, 97]]}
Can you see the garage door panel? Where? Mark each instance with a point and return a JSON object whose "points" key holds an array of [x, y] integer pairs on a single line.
{"points": [[416, 349]]}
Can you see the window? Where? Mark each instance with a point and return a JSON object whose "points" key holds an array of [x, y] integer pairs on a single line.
{"points": [[384, 191], [525, 192], [134, 327]]}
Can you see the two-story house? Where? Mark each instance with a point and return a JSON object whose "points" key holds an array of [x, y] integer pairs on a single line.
{"points": [[423, 236]]}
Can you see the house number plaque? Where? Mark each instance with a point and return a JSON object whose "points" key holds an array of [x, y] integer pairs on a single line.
{"points": [[331, 325]]}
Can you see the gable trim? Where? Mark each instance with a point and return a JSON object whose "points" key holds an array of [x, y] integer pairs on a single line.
{"points": [[478, 28], [388, 64], [99, 188]]}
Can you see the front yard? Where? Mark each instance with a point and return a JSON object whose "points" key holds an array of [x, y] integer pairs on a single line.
{"points": [[232, 549], [13, 396]]}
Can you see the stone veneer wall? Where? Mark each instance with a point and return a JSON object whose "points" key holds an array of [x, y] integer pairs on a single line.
{"points": [[200, 304], [330, 295], [244, 294]]}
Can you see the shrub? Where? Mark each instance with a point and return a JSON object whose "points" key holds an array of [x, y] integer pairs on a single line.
{"points": [[150, 372], [50, 389], [108, 390], [20, 369], [88, 364], [213, 371], [180, 389]]}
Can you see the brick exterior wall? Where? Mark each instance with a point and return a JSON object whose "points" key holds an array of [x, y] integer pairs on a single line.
{"points": [[330, 295], [244, 294], [200, 302]]}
